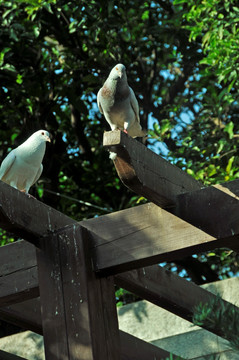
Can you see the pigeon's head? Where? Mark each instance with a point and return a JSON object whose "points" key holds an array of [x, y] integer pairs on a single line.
{"points": [[42, 135], [118, 72]]}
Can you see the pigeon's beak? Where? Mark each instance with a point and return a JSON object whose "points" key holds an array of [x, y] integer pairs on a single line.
{"points": [[120, 74], [47, 138]]}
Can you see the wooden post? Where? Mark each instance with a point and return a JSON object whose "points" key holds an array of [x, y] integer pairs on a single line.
{"points": [[78, 309]]}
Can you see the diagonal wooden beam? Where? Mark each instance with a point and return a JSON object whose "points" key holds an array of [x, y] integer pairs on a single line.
{"points": [[169, 291], [133, 348], [145, 172], [27, 217]]}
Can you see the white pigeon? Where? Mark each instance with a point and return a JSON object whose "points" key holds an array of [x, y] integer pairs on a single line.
{"points": [[117, 102], [22, 167]]}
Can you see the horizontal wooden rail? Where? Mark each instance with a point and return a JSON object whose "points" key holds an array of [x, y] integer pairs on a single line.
{"points": [[145, 172], [167, 290], [153, 283], [18, 273], [19, 286], [144, 236], [26, 314]]}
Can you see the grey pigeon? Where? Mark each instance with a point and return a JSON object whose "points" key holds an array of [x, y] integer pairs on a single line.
{"points": [[22, 167], [117, 102]]}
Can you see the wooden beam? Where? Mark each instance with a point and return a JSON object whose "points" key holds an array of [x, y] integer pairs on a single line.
{"points": [[19, 286], [27, 217], [133, 348], [77, 307], [164, 289], [28, 315], [147, 236], [215, 209], [145, 172], [7, 356], [18, 277], [169, 291]]}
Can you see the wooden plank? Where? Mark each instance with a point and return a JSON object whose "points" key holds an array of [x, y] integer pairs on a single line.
{"points": [[72, 302], [145, 172], [215, 209], [18, 273], [16, 256], [18, 286], [133, 348], [7, 356], [163, 288], [160, 236], [26, 314], [28, 218]]}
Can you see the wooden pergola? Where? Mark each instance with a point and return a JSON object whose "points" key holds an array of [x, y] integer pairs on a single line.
{"points": [[59, 281]]}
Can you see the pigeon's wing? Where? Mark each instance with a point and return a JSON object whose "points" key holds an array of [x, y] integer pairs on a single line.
{"points": [[7, 163], [134, 104], [38, 174], [98, 101]]}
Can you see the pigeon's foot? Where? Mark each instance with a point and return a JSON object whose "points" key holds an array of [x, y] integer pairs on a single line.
{"points": [[125, 131], [29, 195]]}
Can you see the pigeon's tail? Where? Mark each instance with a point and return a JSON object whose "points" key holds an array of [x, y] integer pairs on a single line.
{"points": [[137, 132]]}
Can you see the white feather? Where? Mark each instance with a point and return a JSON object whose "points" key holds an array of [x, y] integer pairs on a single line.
{"points": [[22, 167]]}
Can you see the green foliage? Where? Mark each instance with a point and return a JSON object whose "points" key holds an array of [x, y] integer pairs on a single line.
{"points": [[218, 316], [5, 238], [123, 297], [173, 357], [215, 22]]}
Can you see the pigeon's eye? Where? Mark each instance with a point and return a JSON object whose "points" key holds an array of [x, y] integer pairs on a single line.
{"points": [[117, 68], [42, 133]]}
